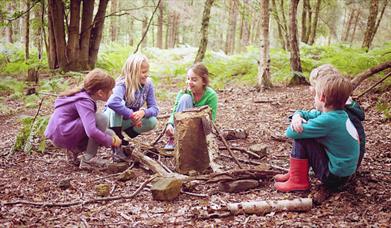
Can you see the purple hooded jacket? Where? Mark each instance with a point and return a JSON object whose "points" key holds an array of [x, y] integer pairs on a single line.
{"points": [[73, 123]]}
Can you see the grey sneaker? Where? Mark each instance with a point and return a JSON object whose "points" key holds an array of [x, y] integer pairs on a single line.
{"points": [[119, 155], [93, 163], [170, 144]]}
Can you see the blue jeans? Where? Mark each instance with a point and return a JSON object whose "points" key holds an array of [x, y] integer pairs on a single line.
{"points": [[317, 157]]}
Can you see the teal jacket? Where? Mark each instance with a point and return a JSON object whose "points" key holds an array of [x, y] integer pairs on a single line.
{"points": [[336, 133]]}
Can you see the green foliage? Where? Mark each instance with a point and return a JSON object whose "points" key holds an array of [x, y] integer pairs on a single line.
{"points": [[10, 87], [31, 135]]}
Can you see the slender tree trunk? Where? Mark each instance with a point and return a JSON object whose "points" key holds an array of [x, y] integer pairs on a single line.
{"points": [[37, 32], [285, 25], [204, 31], [298, 78], [304, 20], [58, 32], [348, 25], [143, 29], [264, 81], [96, 33], [159, 38], [173, 29], [315, 23], [232, 18], [86, 20], [309, 22], [27, 32], [280, 28], [355, 25], [369, 32], [131, 28], [379, 20], [9, 30], [73, 48], [114, 21]]}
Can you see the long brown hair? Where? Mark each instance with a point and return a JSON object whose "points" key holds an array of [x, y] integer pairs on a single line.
{"points": [[95, 80], [201, 70]]}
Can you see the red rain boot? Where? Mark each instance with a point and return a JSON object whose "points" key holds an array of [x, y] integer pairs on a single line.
{"points": [[298, 179], [282, 177]]}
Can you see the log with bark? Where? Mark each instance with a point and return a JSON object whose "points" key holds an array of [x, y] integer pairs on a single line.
{"points": [[369, 72]]}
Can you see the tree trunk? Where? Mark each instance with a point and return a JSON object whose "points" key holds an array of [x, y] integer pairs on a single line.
{"points": [[280, 27], [348, 25], [245, 29], [27, 32], [73, 47], [58, 32], [369, 32], [114, 21], [298, 78], [96, 33], [86, 21], [143, 30], [159, 38], [204, 31], [232, 18], [285, 25], [309, 22], [314, 23], [37, 33], [9, 30], [369, 72], [131, 27], [355, 25], [379, 20], [264, 81], [304, 21], [173, 29]]}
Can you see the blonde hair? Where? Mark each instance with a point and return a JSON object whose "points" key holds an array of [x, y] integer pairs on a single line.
{"points": [[322, 71], [131, 72], [335, 89], [95, 80]]}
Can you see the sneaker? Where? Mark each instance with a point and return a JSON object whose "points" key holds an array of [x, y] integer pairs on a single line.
{"points": [[72, 158], [170, 144], [119, 155], [93, 163]]}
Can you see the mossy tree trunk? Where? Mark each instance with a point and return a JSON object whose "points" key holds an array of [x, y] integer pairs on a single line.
{"points": [[204, 31], [264, 81]]}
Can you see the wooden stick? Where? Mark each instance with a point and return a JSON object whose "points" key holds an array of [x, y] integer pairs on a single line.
{"points": [[370, 88], [159, 136], [226, 145], [95, 200], [242, 150], [194, 194]]}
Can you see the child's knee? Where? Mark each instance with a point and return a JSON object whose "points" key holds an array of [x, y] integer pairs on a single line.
{"points": [[149, 123], [102, 121]]}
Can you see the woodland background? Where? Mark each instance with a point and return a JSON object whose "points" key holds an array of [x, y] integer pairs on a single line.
{"points": [[255, 51]]}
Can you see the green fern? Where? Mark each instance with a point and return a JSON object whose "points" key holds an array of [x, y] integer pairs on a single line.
{"points": [[31, 135]]}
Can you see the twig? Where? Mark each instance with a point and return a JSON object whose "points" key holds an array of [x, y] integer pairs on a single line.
{"points": [[114, 174], [149, 24], [242, 160], [226, 145], [370, 88], [279, 168], [159, 136], [67, 204], [242, 150], [194, 194], [163, 116]]}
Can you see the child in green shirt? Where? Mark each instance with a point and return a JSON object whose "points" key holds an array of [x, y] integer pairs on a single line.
{"points": [[197, 94], [324, 139]]}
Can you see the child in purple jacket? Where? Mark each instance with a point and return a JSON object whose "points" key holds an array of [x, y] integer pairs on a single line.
{"points": [[76, 126], [125, 107]]}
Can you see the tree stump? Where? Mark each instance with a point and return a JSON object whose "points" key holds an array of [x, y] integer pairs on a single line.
{"points": [[32, 75], [191, 150]]}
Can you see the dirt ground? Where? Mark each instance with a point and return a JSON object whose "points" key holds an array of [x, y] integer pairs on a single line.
{"points": [[36, 177]]}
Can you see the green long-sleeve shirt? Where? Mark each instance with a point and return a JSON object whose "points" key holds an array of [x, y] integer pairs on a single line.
{"points": [[208, 98], [336, 133]]}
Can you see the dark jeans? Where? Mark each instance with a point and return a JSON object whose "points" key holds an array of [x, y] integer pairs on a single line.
{"points": [[317, 157]]}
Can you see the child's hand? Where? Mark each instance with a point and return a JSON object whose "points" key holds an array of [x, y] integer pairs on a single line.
{"points": [[297, 123], [137, 123], [137, 116], [116, 141], [170, 130]]}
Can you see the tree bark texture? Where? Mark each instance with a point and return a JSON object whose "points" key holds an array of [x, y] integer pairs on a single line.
{"points": [[204, 31], [358, 12], [379, 19], [159, 38], [371, 23], [348, 25], [114, 5], [84, 34], [9, 30], [264, 81], [294, 46], [314, 26], [245, 29], [280, 28], [27, 32], [285, 25], [232, 18]]}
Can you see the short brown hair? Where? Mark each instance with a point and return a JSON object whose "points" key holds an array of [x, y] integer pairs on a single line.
{"points": [[335, 89], [322, 71], [201, 70]]}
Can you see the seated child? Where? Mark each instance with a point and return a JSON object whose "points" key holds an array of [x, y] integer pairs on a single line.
{"points": [[355, 112], [324, 139], [76, 126], [197, 94]]}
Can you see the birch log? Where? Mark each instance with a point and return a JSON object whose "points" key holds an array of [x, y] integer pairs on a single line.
{"points": [[266, 206]]}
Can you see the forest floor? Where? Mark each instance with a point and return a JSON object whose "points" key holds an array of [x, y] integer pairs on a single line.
{"points": [[35, 177]]}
